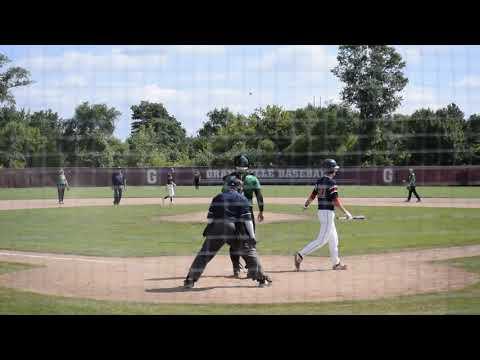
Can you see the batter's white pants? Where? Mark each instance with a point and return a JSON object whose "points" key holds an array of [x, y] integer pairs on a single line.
{"points": [[328, 233]]}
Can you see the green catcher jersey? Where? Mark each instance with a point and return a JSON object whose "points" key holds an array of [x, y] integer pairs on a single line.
{"points": [[250, 184]]}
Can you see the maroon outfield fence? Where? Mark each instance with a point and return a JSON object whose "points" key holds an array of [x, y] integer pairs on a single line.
{"points": [[426, 175]]}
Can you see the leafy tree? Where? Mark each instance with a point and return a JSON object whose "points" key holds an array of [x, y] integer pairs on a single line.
{"points": [[472, 137], [93, 118], [275, 124], [18, 143], [170, 136], [11, 114], [11, 78], [373, 77], [143, 149], [146, 114], [452, 121], [436, 138], [87, 134], [217, 119], [119, 152], [50, 126]]}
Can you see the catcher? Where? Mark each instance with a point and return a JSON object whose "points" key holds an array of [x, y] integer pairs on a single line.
{"points": [[251, 185]]}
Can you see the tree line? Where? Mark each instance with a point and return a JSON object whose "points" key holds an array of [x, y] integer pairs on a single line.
{"points": [[363, 130]]}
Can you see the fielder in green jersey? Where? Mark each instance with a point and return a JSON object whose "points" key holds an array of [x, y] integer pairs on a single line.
{"points": [[412, 184]]}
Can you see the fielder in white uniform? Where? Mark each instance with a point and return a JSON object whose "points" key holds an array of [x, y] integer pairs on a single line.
{"points": [[326, 191], [170, 189]]}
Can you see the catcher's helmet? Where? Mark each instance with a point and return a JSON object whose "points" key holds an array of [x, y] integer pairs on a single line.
{"points": [[330, 165], [241, 162], [235, 184]]}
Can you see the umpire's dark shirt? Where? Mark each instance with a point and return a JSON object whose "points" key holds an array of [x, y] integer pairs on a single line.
{"points": [[118, 179], [229, 206]]}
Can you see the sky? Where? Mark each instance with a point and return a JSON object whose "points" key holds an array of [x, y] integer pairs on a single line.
{"points": [[191, 80]]}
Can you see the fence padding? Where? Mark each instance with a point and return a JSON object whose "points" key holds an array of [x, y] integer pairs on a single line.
{"points": [[426, 175]]}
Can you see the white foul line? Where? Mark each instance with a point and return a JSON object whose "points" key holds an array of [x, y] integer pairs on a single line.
{"points": [[55, 257]]}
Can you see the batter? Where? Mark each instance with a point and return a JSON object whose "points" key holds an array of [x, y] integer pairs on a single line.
{"points": [[326, 191]]}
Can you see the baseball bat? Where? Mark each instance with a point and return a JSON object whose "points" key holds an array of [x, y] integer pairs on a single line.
{"points": [[356, 217]]}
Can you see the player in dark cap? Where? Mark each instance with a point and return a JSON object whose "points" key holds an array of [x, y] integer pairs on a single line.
{"points": [[327, 193], [119, 184]]}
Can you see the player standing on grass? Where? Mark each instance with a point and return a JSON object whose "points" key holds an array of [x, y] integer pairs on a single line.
{"points": [[119, 184], [196, 179], [251, 185], [412, 184], [326, 191], [170, 188], [62, 183]]}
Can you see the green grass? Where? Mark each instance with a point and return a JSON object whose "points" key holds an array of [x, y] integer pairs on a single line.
{"points": [[137, 231], [6, 267], [210, 191], [456, 302]]}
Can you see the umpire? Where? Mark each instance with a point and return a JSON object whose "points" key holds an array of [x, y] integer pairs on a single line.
{"points": [[119, 183], [229, 222]]}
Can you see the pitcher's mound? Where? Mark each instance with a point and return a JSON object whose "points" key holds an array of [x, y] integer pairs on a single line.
{"points": [[201, 217]]}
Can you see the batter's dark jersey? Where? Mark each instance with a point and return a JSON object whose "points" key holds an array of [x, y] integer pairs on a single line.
{"points": [[169, 179], [326, 191]]}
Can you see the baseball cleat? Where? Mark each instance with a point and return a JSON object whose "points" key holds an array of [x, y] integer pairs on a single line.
{"points": [[188, 284], [339, 266], [266, 281], [298, 261], [236, 274]]}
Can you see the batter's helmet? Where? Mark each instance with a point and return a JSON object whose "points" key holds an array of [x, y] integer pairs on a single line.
{"points": [[330, 165], [235, 184], [241, 162]]}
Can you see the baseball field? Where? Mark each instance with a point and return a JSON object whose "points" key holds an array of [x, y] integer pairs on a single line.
{"points": [[89, 257]]}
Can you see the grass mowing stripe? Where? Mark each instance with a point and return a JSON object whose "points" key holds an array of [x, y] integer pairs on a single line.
{"points": [[268, 191], [138, 231], [6, 267]]}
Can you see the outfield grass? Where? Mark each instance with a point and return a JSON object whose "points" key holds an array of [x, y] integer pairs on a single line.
{"points": [[137, 231], [455, 302], [268, 191], [6, 267]]}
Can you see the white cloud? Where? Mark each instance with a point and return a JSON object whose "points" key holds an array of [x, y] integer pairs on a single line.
{"points": [[87, 61], [415, 54], [75, 81], [163, 49], [200, 49], [472, 81], [314, 58], [415, 97]]}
